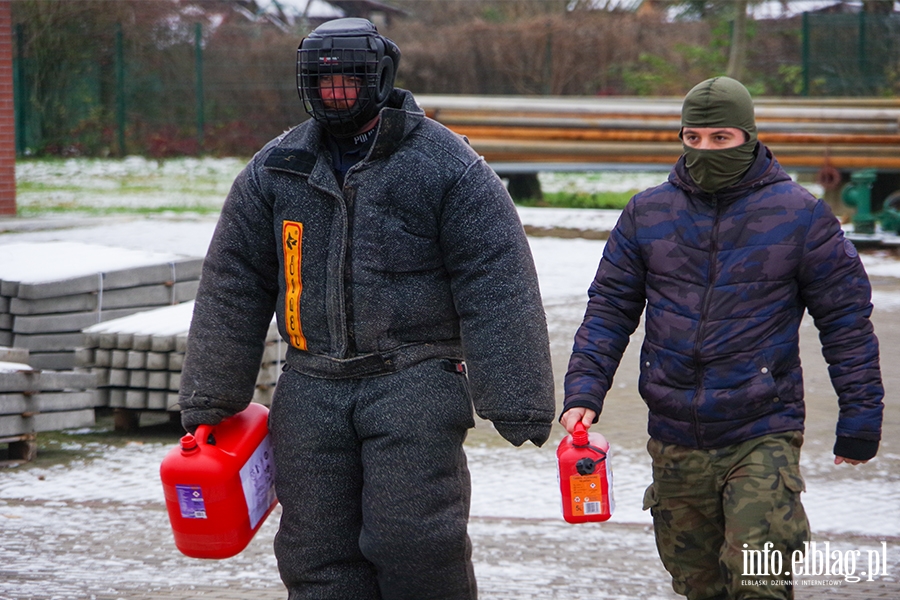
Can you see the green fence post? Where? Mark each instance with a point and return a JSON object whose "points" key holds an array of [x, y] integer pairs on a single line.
{"points": [[120, 90], [805, 53], [198, 53], [547, 75], [20, 89], [861, 55]]}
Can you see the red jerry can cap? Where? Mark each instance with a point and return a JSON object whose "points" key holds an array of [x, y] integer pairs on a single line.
{"points": [[580, 435]]}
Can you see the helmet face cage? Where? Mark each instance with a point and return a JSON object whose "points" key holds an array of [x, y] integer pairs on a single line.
{"points": [[345, 78]]}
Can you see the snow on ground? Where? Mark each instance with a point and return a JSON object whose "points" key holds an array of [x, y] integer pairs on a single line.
{"points": [[168, 320], [114, 490], [134, 182], [98, 173], [36, 263], [11, 367], [565, 267], [129, 475]]}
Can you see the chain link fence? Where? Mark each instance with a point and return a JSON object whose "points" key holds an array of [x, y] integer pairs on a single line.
{"points": [[185, 92], [851, 54], [90, 83]]}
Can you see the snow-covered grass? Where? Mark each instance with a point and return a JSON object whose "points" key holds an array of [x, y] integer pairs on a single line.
{"points": [[600, 181], [199, 185], [632, 182], [132, 184]]}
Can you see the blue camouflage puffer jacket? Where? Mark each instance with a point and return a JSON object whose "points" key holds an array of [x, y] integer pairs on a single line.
{"points": [[725, 279]]}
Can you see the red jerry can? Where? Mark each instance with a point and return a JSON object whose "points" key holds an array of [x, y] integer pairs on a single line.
{"points": [[585, 477], [220, 484]]}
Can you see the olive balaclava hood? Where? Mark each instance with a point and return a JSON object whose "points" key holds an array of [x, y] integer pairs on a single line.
{"points": [[719, 102]]}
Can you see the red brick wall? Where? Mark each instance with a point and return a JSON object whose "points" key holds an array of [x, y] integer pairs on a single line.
{"points": [[7, 114]]}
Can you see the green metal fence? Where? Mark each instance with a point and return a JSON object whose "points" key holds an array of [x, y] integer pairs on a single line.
{"points": [[229, 88], [196, 93], [851, 54]]}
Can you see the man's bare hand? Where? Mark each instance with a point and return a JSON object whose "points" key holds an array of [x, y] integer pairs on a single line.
{"points": [[574, 415], [840, 459]]}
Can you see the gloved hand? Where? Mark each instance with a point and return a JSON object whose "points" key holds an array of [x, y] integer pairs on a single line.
{"points": [[204, 410], [517, 433]]}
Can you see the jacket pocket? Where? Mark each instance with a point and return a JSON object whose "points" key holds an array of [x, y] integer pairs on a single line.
{"points": [[458, 376], [651, 500], [792, 479], [742, 388], [762, 395], [648, 364]]}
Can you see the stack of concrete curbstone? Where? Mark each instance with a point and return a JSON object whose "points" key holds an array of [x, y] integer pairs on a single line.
{"points": [[50, 291], [138, 359], [33, 401]]}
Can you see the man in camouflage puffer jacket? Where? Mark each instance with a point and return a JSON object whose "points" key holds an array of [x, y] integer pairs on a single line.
{"points": [[390, 253], [725, 258]]}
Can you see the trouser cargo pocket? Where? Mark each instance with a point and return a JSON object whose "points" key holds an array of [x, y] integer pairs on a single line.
{"points": [[650, 498]]}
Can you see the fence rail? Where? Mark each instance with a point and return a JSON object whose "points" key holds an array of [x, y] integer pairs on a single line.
{"points": [[230, 88]]}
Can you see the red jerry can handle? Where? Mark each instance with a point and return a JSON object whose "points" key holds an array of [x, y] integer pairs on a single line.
{"points": [[203, 433]]}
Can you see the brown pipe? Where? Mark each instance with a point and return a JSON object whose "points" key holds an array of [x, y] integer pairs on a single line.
{"points": [[766, 108], [601, 135], [796, 155], [620, 122]]}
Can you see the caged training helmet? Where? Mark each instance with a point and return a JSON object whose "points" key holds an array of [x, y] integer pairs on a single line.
{"points": [[366, 61]]}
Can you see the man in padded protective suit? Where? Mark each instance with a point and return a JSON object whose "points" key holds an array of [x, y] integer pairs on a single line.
{"points": [[403, 283], [725, 258]]}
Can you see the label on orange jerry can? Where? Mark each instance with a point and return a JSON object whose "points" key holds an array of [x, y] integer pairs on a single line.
{"points": [[587, 494], [585, 477]]}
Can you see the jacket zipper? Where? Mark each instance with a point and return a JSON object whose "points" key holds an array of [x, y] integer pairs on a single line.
{"points": [[704, 313], [349, 322], [348, 194]]}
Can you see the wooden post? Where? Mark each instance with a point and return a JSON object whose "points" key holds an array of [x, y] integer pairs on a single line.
{"points": [[23, 449], [7, 114]]}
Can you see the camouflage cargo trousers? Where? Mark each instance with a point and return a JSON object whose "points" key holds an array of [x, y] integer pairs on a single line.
{"points": [[711, 508]]}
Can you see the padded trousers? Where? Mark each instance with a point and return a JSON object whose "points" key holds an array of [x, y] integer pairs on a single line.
{"points": [[373, 483]]}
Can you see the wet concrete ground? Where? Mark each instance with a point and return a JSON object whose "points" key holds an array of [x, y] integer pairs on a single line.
{"points": [[111, 549], [107, 550]]}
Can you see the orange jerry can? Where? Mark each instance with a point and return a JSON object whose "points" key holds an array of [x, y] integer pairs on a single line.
{"points": [[220, 484], [585, 476]]}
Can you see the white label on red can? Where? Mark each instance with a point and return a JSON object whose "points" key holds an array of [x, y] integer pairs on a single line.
{"points": [[190, 501], [258, 481], [609, 482]]}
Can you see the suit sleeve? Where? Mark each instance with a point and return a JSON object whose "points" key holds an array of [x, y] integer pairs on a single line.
{"points": [[837, 294], [496, 294], [233, 309]]}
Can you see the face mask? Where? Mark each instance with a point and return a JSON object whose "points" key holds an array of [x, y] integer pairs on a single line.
{"points": [[719, 102], [714, 170]]}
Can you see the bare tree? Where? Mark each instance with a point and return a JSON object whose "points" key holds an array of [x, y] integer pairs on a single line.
{"points": [[733, 10], [738, 52], [878, 7]]}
